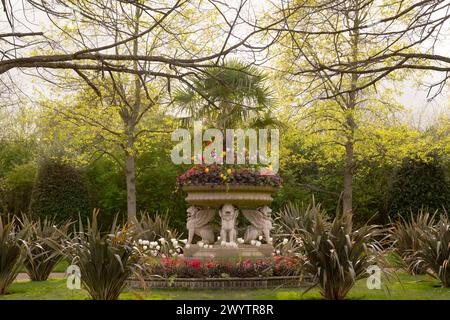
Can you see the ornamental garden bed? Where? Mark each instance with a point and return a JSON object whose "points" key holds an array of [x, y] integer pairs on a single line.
{"points": [[219, 283], [241, 273]]}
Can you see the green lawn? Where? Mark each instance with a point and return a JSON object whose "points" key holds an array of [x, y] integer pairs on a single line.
{"points": [[409, 287]]}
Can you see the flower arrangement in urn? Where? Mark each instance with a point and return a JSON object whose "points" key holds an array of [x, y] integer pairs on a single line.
{"points": [[222, 175]]}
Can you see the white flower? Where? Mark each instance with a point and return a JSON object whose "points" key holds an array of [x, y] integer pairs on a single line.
{"points": [[144, 247], [162, 240], [170, 251], [285, 241], [218, 238], [260, 238], [173, 240], [140, 241], [200, 244], [240, 240], [184, 241], [258, 243], [146, 242], [278, 251], [253, 242], [175, 243], [158, 247], [178, 249]]}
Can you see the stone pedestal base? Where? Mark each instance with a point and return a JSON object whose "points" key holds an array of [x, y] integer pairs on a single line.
{"points": [[218, 251]]}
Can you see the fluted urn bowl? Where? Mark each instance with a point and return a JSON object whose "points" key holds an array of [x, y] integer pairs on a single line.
{"points": [[211, 195]]}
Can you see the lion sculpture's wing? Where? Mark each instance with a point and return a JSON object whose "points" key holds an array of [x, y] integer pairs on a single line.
{"points": [[203, 217], [256, 218]]}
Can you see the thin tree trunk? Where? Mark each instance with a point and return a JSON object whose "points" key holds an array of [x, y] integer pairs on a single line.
{"points": [[130, 152], [347, 198], [131, 187]]}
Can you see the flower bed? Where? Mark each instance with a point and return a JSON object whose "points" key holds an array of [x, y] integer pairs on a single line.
{"points": [[193, 268], [241, 273], [220, 175]]}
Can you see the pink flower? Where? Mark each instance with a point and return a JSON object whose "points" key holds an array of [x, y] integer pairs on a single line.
{"points": [[194, 263]]}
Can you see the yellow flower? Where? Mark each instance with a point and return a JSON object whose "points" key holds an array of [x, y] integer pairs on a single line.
{"points": [[229, 171], [224, 177], [206, 170], [221, 175]]}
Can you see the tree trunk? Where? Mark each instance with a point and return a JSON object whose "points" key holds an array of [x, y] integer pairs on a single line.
{"points": [[131, 188], [131, 126], [347, 198]]}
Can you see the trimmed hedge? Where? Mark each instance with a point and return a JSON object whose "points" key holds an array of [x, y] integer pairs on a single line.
{"points": [[60, 191], [419, 184]]}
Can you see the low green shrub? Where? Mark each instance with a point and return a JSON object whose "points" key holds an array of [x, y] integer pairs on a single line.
{"points": [[105, 259], [337, 256], [434, 251], [154, 227], [406, 238], [41, 258], [12, 252]]}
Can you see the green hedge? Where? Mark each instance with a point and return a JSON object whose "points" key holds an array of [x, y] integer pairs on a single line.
{"points": [[60, 191], [419, 184]]}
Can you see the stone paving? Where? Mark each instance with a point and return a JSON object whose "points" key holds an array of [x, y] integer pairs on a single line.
{"points": [[23, 276]]}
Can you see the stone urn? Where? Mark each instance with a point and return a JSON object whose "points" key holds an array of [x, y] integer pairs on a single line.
{"points": [[229, 200], [243, 196]]}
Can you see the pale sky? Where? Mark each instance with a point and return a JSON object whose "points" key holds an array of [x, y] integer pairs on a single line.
{"points": [[422, 111]]}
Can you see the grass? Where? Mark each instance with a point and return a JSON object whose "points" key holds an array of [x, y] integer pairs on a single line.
{"points": [[405, 287]]}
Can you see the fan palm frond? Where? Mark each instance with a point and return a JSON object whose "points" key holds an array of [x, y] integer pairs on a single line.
{"points": [[226, 95]]}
